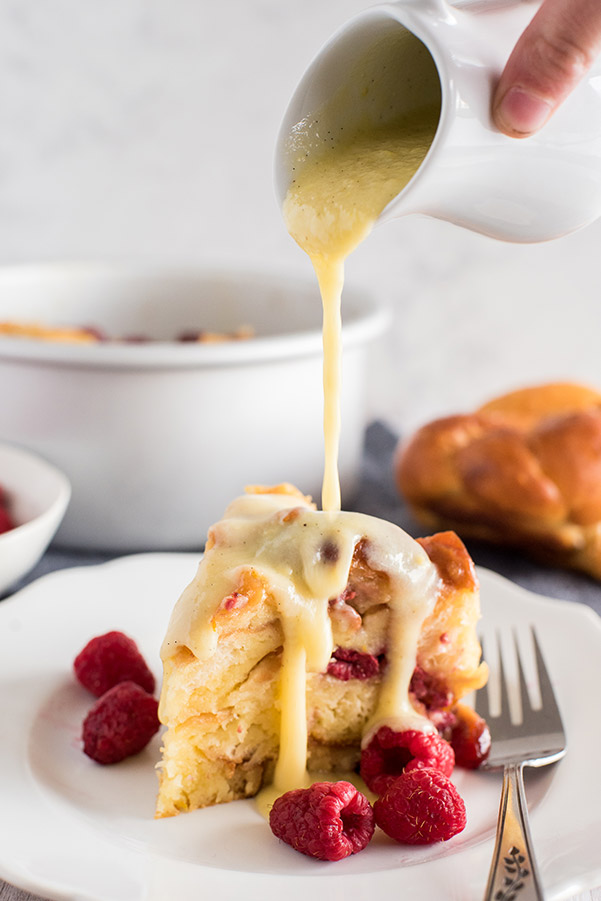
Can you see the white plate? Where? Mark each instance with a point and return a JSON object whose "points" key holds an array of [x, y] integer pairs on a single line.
{"points": [[72, 829]]}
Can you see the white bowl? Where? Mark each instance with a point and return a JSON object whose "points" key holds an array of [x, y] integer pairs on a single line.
{"points": [[157, 438], [38, 494]]}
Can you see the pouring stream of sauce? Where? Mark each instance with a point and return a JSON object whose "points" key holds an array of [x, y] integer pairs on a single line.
{"points": [[331, 206]]}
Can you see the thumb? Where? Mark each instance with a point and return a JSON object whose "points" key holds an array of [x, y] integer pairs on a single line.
{"points": [[549, 60]]}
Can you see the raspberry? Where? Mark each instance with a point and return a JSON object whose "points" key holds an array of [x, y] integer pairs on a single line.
{"points": [[429, 690], [391, 753], [347, 663], [190, 336], [470, 738], [329, 821], [109, 659], [120, 723], [6, 521], [420, 807]]}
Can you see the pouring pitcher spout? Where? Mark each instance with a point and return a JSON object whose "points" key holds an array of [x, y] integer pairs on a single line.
{"points": [[432, 62]]}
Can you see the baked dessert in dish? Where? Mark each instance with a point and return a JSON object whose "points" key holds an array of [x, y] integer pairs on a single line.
{"points": [[38, 331], [92, 335], [524, 470], [302, 633]]}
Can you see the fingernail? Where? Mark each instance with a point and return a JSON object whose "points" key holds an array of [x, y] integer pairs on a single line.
{"points": [[522, 113]]}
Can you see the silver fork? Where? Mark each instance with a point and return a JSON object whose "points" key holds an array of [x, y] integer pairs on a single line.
{"points": [[538, 740]]}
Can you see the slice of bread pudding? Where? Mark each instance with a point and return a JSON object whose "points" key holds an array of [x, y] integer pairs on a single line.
{"points": [[301, 634]]}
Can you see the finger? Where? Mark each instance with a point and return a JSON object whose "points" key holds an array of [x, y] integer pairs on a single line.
{"points": [[548, 61]]}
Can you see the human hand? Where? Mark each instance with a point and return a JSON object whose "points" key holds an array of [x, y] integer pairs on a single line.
{"points": [[548, 61]]}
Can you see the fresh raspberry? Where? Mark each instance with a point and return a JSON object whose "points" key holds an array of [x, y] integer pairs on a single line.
{"points": [[120, 723], [391, 753], [420, 807], [347, 663], [443, 720], [429, 690], [6, 521], [329, 821], [190, 336], [109, 659], [469, 737]]}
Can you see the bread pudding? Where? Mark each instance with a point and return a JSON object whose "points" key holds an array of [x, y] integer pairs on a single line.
{"points": [[68, 334], [302, 633]]}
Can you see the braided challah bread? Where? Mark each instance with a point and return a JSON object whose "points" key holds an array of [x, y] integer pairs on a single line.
{"points": [[524, 471]]}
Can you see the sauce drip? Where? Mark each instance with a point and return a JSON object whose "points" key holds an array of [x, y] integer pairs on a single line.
{"points": [[330, 208], [305, 558]]}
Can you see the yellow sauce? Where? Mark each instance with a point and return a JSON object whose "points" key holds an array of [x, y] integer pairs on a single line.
{"points": [[331, 206], [305, 559]]}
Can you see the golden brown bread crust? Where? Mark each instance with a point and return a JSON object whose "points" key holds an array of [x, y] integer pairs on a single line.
{"points": [[524, 470]]}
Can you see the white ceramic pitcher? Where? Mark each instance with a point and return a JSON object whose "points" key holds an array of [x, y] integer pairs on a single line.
{"points": [[392, 58]]}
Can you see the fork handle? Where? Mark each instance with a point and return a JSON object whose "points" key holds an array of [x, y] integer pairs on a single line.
{"points": [[513, 872]]}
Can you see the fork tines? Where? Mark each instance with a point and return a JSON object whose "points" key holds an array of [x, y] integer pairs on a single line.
{"points": [[536, 721]]}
